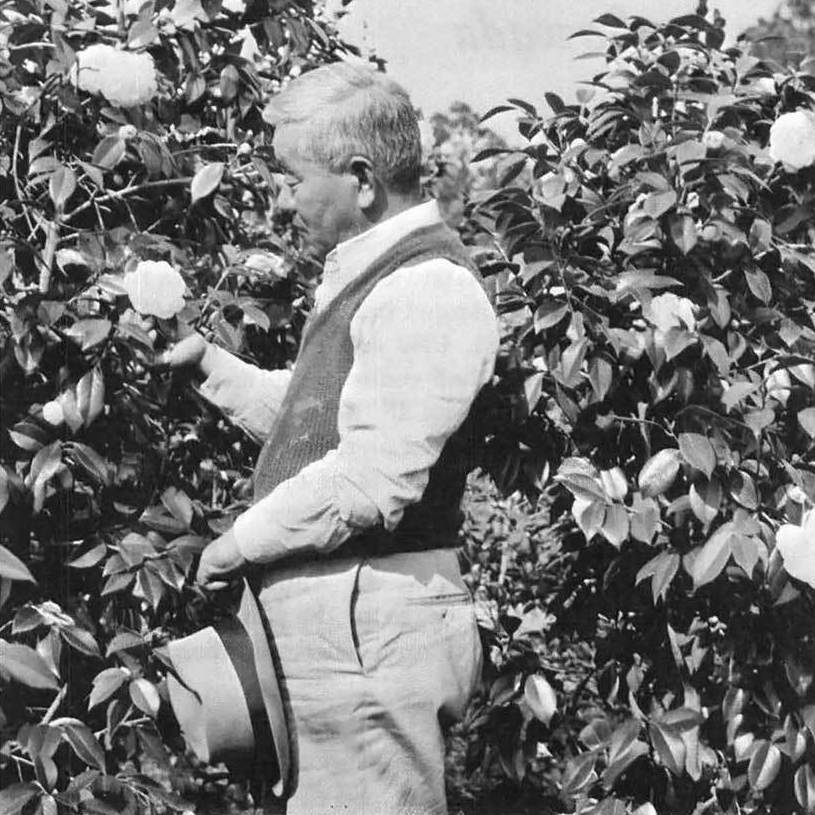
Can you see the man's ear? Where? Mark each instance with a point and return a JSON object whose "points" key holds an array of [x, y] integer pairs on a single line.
{"points": [[363, 170]]}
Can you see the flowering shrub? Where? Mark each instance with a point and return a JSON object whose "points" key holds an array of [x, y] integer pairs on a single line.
{"points": [[655, 280], [134, 202]]}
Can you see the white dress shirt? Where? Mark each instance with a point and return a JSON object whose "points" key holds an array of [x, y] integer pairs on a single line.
{"points": [[424, 341]]}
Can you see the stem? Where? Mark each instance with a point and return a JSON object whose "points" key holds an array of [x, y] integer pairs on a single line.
{"points": [[17, 187], [632, 420], [114, 196], [51, 238], [49, 714]]}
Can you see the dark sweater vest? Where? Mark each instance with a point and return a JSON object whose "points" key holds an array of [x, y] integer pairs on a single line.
{"points": [[306, 426]]}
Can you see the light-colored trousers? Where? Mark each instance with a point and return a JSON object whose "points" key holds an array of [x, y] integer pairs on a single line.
{"points": [[377, 655]]}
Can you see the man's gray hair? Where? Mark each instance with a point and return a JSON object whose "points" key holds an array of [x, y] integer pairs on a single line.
{"points": [[352, 110]]}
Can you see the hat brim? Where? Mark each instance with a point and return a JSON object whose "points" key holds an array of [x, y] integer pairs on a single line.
{"points": [[251, 616]]}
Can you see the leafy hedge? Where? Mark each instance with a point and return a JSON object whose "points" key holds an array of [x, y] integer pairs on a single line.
{"points": [[643, 591], [133, 152], [650, 651]]}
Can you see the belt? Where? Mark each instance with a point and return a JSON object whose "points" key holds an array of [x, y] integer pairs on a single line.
{"points": [[379, 542]]}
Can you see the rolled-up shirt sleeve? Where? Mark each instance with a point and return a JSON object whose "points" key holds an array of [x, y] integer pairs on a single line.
{"points": [[248, 395], [425, 341]]}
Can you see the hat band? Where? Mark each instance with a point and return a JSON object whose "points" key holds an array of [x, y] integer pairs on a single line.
{"points": [[239, 649]]}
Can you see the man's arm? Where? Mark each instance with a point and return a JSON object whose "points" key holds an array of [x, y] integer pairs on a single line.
{"points": [[248, 395], [424, 344]]}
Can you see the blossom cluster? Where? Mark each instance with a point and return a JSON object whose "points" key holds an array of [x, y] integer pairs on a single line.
{"points": [[124, 78]]}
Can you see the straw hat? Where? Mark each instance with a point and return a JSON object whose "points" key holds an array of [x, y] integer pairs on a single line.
{"points": [[231, 709]]}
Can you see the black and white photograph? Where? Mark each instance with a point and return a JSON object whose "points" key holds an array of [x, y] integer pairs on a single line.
{"points": [[407, 407]]}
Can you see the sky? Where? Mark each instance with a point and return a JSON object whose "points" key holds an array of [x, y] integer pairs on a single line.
{"points": [[483, 51]]}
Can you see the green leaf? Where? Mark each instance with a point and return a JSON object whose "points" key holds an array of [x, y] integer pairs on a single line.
{"points": [[109, 152], [624, 750], [804, 784], [600, 376], [737, 393], [206, 180], [698, 452], [145, 697], [229, 83], [46, 772], [759, 284], [705, 500], [659, 472], [105, 684], [669, 747], [26, 666], [141, 34], [659, 202], [5, 493], [645, 518], [93, 464], [179, 505], [541, 697], [549, 314], [806, 418], [764, 765], [578, 774], [135, 549], [615, 525], [90, 396], [80, 639], [90, 558], [89, 333], [61, 186], [611, 20], [13, 798], [124, 641], [83, 742], [683, 233], [712, 557], [12, 568]]}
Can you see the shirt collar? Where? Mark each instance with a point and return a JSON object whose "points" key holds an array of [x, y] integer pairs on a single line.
{"points": [[350, 257]]}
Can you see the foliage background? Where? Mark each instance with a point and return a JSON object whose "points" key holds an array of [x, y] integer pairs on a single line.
{"points": [[651, 430]]}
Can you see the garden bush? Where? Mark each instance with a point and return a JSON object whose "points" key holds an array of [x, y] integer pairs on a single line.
{"points": [[134, 169], [650, 642], [637, 542]]}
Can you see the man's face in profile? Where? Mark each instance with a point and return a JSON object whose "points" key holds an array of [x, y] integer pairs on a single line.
{"points": [[324, 203]]}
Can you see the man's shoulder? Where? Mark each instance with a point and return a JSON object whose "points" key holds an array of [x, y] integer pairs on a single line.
{"points": [[436, 280]]}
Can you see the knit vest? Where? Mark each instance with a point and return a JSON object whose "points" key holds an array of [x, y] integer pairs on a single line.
{"points": [[306, 425]]}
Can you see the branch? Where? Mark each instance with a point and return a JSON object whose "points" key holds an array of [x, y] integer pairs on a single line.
{"points": [[17, 187], [114, 196]]}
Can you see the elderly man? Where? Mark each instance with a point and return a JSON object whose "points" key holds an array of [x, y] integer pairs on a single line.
{"points": [[352, 531]]}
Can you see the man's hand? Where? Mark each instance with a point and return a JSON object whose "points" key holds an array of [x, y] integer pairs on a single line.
{"points": [[221, 562]]}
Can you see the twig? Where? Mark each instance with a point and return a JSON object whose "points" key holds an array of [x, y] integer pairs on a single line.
{"points": [[17, 187], [114, 196], [632, 420], [49, 714], [51, 238]]}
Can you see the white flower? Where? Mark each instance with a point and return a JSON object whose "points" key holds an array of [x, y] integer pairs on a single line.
{"points": [[713, 139], [668, 311], [52, 413], [156, 288], [792, 139], [122, 77], [797, 547]]}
